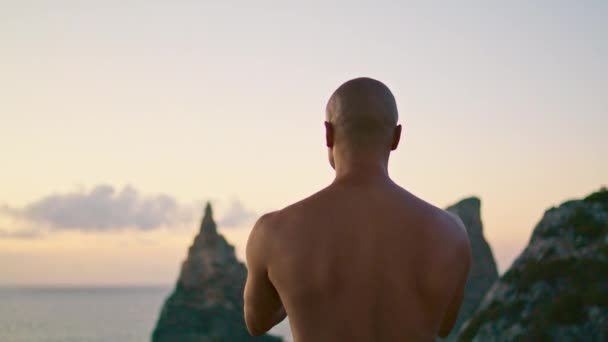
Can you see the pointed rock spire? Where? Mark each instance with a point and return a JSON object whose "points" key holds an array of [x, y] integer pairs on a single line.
{"points": [[208, 210], [207, 302], [208, 225], [483, 272]]}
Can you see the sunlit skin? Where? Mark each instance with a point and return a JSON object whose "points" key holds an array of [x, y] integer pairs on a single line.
{"points": [[363, 259]]}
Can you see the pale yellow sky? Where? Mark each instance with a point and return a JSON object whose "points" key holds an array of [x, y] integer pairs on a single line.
{"points": [[222, 103]]}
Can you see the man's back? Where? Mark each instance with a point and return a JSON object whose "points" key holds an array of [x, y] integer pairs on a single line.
{"points": [[363, 259], [365, 262]]}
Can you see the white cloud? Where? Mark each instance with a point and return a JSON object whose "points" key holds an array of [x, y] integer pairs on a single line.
{"points": [[103, 209], [236, 215]]}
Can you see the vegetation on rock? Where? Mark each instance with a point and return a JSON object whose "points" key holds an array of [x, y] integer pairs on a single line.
{"points": [[557, 289]]}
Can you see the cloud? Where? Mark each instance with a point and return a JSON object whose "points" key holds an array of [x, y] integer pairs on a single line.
{"points": [[103, 209], [236, 215]]}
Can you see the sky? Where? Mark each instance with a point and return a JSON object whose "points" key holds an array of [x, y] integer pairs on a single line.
{"points": [[119, 120]]}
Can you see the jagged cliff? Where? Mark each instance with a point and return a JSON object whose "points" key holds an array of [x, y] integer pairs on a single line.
{"points": [[557, 289], [483, 271], [207, 303]]}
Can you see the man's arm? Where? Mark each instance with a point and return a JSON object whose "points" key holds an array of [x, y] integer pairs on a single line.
{"points": [[263, 307], [464, 251], [452, 312]]}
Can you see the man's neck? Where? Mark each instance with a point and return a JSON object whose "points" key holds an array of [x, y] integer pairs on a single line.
{"points": [[361, 171]]}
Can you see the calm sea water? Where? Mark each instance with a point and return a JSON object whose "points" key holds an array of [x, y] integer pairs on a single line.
{"points": [[125, 314]]}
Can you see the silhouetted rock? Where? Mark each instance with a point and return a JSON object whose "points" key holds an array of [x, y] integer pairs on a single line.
{"points": [[483, 271], [557, 289], [207, 303]]}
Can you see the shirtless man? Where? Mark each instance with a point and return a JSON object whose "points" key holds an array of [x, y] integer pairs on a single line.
{"points": [[362, 259]]}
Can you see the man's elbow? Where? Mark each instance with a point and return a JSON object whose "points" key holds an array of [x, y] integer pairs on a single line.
{"points": [[446, 327], [443, 333], [253, 327], [253, 331]]}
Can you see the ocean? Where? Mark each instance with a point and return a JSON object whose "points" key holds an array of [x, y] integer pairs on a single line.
{"points": [[85, 314]]}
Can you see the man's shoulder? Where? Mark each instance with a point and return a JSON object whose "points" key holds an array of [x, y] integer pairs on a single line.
{"points": [[455, 222], [449, 225], [304, 206], [456, 234], [443, 218], [270, 221], [265, 223], [290, 215], [261, 237], [271, 228]]}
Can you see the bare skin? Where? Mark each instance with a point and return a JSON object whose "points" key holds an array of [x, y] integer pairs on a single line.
{"points": [[362, 259]]}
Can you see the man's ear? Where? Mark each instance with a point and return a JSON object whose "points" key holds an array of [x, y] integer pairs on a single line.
{"points": [[329, 134], [396, 138]]}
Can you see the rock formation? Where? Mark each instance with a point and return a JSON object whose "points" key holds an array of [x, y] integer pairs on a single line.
{"points": [[207, 303], [483, 271], [557, 289]]}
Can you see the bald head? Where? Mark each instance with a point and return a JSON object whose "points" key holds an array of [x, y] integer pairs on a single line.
{"points": [[363, 113]]}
